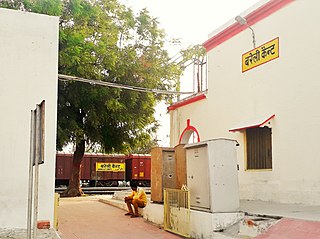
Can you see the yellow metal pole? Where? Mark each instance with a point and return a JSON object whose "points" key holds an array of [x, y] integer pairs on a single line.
{"points": [[55, 213]]}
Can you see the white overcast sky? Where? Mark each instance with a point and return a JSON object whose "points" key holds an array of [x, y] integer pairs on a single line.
{"points": [[191, 21]]}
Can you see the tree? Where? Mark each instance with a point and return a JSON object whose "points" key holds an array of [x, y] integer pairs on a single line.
{"points": [[104, 40]]}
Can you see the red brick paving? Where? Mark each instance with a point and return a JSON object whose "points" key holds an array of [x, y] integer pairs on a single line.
{"points": [[292, 229], [86, 218]]}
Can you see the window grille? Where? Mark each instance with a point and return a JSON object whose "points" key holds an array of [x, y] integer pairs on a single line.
{"points": [[259, 148]]}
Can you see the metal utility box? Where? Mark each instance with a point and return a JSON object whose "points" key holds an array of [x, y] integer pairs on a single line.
{"points": [[162, 172], [212, 175], [181, 165]]}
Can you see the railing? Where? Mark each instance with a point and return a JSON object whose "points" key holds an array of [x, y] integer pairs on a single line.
{"points": [[177, 211]]}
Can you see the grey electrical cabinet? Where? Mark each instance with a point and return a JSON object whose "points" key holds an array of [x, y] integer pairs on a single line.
{"points": [[212, 175]]}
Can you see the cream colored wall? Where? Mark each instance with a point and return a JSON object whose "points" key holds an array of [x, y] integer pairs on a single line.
{"points": [[287, 87], [179, 118], [28, 75]]}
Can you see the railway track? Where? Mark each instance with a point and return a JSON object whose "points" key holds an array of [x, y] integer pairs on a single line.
{"points": [[102, 190]]}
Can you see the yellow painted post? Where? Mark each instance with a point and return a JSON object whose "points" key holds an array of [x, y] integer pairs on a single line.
{"points": [[55, 215], [165, 205]]}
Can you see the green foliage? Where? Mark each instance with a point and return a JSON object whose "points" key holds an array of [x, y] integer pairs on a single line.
{"points": [[194, 53], [104, 40]]}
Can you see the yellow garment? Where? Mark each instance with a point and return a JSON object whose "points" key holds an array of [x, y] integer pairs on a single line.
{"points": [[139, 194]]}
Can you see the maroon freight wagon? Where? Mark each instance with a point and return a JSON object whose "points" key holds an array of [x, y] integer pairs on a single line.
{"points": [[64, 168], [105, 169], [138, 168]]}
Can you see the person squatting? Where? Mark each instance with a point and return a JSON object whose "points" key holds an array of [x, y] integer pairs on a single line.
{"points": [[137, 198]]}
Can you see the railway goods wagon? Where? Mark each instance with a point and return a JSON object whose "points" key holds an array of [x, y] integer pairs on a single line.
{"points": [[64, 169], [138, 168], [105, 169]]}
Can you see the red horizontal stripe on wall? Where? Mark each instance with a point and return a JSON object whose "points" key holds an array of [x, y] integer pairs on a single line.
{"points": [[187, 101]]}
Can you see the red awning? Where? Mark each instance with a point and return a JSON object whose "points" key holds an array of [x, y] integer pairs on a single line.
{"points": [[253, 123]]}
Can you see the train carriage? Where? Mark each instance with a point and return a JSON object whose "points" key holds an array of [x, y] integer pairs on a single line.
{"points": [[138, 168]]}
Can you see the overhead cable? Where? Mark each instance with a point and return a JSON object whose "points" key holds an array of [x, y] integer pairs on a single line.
{"points": [[120, 86]]}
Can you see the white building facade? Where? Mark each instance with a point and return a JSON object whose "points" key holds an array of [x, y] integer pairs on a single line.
{"points": [[28, 75], [264, 96]]}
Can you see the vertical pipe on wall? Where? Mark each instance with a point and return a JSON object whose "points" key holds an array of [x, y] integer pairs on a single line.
{"points": [[30, 185], [36, 173], [194, 77]]}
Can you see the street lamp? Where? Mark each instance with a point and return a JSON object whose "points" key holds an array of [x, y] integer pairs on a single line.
{"points": [[243, 21]]}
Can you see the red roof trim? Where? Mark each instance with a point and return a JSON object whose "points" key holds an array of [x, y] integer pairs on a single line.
{"points": [[253, 126], [187, 101], [252, 18]]}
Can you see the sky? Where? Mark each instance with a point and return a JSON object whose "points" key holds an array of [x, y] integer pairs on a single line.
{"points": [[191, 22]]}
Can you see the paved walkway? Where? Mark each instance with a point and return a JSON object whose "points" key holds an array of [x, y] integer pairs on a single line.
{"points": [[298, 222], [87, 218], [288, 228]]}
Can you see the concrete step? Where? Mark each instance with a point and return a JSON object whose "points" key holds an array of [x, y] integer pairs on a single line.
{"points": [[152, 212], [254, 225], [249, 227], [231, 232]]}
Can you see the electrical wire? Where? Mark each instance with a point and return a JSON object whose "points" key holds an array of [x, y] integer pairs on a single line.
{"points": [[62, 77]]}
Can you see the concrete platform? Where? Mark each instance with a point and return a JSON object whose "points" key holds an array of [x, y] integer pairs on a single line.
{"points": [[22, 234], [296, 211], [87, 218], [287, 221], [202, 224], [262, 218]]}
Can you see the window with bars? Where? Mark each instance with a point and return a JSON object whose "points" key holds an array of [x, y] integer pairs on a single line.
{"points": [[259, 148]]}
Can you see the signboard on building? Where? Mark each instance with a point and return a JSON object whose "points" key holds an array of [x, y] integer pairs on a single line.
{"points": [[260, 55], [113, 167]]}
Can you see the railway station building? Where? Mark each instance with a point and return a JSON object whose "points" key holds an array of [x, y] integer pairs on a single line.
{"points": [[28, 75], [263, 89]]}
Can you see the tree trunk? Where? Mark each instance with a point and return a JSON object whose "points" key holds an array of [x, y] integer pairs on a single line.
{"points": [[74, 189]]}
